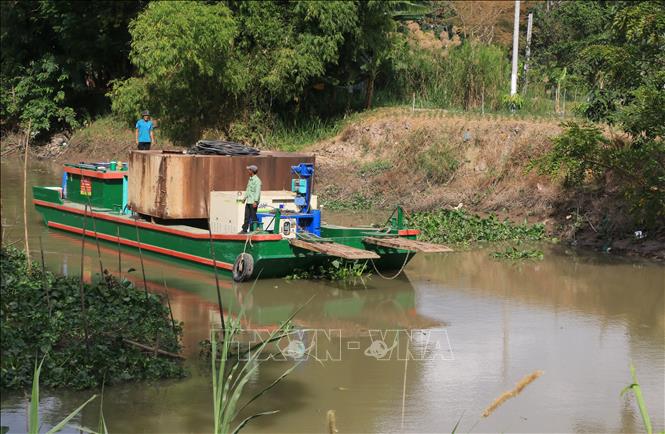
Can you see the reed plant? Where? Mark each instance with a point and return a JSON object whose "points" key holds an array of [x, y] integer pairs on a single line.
{"points": [[641, 404], [231, 371], [33, 412]]}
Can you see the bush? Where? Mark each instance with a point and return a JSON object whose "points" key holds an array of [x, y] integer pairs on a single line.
{"points": [[582, 155], [513, 102], [115, 312], [129, 98]]}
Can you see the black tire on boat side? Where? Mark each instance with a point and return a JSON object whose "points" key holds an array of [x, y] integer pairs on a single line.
{"points": [[243, 267]]}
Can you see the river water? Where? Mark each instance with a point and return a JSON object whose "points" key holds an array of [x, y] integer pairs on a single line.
{"points": [[471, 326]]}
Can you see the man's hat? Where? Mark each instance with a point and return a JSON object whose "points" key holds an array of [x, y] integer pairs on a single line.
{"points": [[253, 168], [145, 113]]}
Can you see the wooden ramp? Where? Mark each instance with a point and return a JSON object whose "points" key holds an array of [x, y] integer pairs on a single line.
{"points": [[408, 244], [334, 249]]}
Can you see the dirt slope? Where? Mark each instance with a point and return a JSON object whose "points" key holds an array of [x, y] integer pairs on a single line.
{"points": [[434, 159]]}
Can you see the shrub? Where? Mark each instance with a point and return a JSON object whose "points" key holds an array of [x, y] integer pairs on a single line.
{"points": [[582, 155], [438, 163]]}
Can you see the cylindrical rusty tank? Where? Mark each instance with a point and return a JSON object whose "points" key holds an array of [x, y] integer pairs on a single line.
{"points": [[173, 185]]}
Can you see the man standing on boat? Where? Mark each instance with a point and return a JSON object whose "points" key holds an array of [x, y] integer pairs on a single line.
{"points": [[252, 198], [145, 135]]}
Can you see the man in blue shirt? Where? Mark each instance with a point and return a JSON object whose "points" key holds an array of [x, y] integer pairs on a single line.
{"points": [[144, 132]]}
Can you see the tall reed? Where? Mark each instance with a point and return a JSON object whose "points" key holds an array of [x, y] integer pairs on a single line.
{"points": [[33, 412], [231, 375], [637, 391]]}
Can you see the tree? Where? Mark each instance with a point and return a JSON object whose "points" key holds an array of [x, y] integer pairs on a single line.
{"points": [[622, 64], [626, 72], [188, 73], [205, 65], [79, 47], [36, 96]]}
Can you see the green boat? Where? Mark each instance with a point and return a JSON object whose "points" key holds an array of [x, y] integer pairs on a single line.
{"points": [[93, 201]]}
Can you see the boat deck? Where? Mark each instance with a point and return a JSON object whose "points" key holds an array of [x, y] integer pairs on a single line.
{"points": [[130, 220]]}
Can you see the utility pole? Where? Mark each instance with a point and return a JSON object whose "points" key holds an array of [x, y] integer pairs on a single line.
{"points": [[528, 51], [516, 43]]}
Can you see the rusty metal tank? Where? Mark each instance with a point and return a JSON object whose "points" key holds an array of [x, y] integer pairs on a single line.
{"points": [[174, 185]]}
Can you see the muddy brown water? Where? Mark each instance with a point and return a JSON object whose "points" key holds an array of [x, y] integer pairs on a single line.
{"points": [[477, 326]]}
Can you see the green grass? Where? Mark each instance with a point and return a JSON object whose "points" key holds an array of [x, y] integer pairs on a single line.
{"points": [[375, 167], [103, 130], [299, 135]]}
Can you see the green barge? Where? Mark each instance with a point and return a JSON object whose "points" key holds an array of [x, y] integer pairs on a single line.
{"points": [[93, 201]]}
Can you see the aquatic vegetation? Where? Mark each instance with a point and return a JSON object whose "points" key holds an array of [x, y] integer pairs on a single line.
{"points": [[33, 411], [110, 332], [459, 226], [515, 254], [343, 271]]}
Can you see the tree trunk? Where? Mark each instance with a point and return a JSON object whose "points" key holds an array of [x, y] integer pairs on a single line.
{"points": [[528, 51], [369, 92]]}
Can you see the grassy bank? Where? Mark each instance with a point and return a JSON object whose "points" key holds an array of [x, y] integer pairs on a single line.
{"points": [[111, 138], [88, 334]]}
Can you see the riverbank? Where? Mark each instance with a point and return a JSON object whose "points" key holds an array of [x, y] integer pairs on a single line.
{"points": [[428, 160]]}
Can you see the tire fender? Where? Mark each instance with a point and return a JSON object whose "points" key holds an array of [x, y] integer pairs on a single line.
{"points": [[243, 267]]}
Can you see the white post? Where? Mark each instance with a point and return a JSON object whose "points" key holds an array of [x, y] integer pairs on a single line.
{"points": [[516, 43], [527, 54]]}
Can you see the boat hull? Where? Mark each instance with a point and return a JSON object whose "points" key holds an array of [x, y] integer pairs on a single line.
{"points": [[273, 255]]}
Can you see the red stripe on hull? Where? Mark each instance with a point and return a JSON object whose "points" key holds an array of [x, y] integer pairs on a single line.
{"points": [[169, 252], [160, 228]]}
